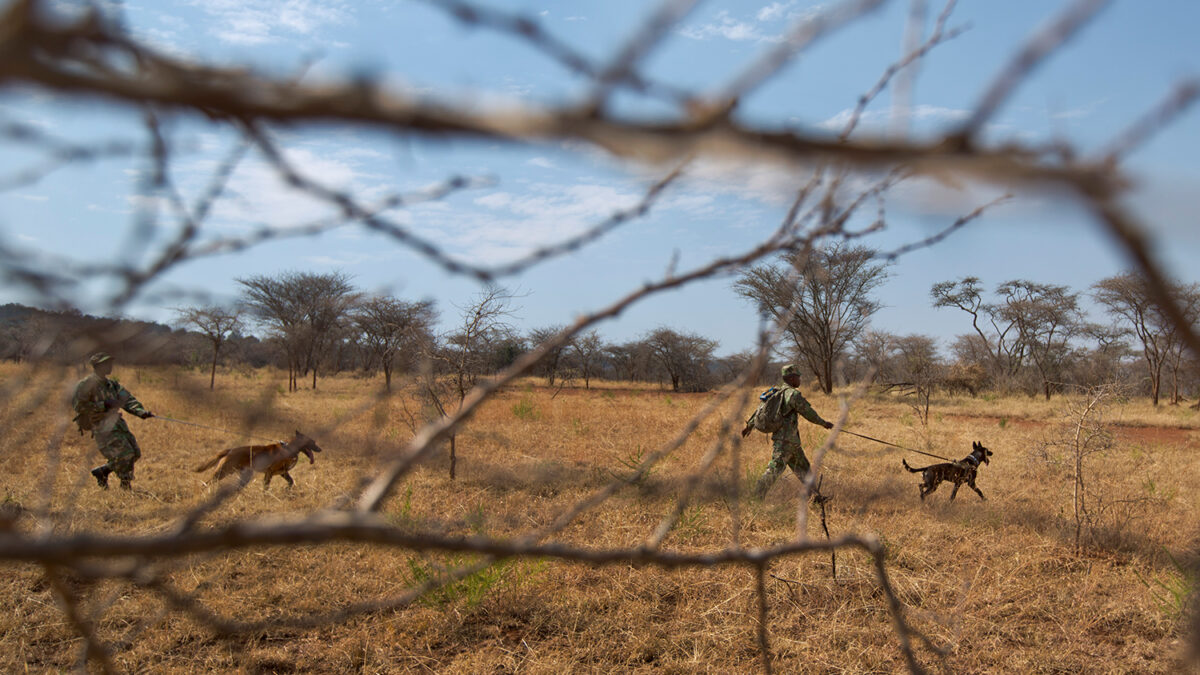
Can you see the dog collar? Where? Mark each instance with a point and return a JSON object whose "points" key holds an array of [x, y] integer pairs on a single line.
{"points": [[972, 460]]}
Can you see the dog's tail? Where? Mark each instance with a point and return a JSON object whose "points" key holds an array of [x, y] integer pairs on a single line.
{"points": [[905, 463], [210, 463]]}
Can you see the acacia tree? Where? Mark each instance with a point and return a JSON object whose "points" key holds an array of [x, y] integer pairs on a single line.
{"points": [[305, 310], [824, 294], [1179, 359], [630, 360], [389, 327], [1046, 318], [685, 357], [552, 363], [217, 324], [1127, 298], [997, 335]]}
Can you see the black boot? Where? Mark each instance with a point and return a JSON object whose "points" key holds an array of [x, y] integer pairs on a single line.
{"points": [[101, 473]]}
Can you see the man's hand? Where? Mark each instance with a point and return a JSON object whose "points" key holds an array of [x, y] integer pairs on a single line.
{"points": [[147, 415], [829, 425]]}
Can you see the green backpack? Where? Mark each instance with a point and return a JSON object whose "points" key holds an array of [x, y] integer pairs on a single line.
{"points": [[768, 417]]}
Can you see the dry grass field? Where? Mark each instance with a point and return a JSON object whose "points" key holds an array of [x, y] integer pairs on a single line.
{"points": [[997, 585]]}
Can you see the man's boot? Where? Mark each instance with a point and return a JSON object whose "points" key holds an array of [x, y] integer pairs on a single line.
{"points": [[101, 473]]}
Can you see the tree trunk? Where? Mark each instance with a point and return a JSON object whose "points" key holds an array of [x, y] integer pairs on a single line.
{"points": [[453, 459], [212, 378]]}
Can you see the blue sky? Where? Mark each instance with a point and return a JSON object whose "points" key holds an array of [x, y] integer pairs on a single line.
{"points": [[1126, 60]]}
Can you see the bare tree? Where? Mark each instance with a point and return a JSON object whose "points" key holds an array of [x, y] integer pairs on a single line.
{"points": [[917, 364], [465, 353], [825, 295], [392, 329], [587, 351], [217, 324], [873, 350]]}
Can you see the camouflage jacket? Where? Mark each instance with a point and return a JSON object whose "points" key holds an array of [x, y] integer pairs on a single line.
{"points": [[795, 406], [98, 403]]}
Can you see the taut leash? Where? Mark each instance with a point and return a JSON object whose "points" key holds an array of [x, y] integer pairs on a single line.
{"points": [[205, 426], [919, 452]]}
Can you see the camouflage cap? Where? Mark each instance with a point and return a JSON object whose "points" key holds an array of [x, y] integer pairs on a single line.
{"points": [[790, 369], [99, 357]]}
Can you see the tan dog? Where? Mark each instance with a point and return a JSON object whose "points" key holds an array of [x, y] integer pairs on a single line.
{"points": [[270, 460]]}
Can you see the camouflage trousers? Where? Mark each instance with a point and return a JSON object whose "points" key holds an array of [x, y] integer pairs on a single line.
{"points": [[120, 448], [783, 454]]}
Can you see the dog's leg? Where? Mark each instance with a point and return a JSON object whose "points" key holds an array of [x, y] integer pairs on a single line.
{"points": [[954, 492], [267, 479], [927, 489], [288, 477], [977, 491]]}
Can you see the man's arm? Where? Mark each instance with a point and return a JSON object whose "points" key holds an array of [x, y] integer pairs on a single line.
{"points": [[132, 405], [806, 411]]}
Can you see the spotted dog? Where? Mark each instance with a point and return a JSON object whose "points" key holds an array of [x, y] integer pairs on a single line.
{"points": [[962, 471]]}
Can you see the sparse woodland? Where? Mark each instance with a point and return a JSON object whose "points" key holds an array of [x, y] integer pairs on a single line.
{"points": [[491, 501]]}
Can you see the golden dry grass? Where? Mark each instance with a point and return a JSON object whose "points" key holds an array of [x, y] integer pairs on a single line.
{"points": [[998, 584]]}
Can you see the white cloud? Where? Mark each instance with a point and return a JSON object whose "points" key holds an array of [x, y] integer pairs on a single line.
{"points": [[1079, 112], [507, 224], [727, 27], [542, 162], [257, 196], [254, 22], [774, 11], [930, 114], [346, 259], [34, 198]]}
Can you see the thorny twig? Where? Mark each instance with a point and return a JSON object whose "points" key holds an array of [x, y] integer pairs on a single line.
{"points": [[90, 59]]}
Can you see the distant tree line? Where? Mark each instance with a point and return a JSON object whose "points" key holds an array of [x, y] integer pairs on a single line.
{"points": [[1022, 337]]}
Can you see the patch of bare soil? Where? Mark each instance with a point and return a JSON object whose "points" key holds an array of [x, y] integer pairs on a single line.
{"points": [[1157, 435]]}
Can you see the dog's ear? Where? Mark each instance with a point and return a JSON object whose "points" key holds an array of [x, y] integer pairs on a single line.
{"points": [[976, 445]]}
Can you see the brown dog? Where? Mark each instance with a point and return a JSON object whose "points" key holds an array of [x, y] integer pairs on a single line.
{"points": [[270, 460]]}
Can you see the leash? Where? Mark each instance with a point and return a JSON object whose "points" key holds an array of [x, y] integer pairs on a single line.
{"points": [[919, 452], [205, 426]]}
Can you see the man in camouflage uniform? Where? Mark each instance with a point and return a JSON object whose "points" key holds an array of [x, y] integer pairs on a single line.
{"points": [[786, 450], [98, 402]]}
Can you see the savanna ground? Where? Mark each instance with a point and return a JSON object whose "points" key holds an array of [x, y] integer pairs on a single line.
{"points": [[998, 584]]}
